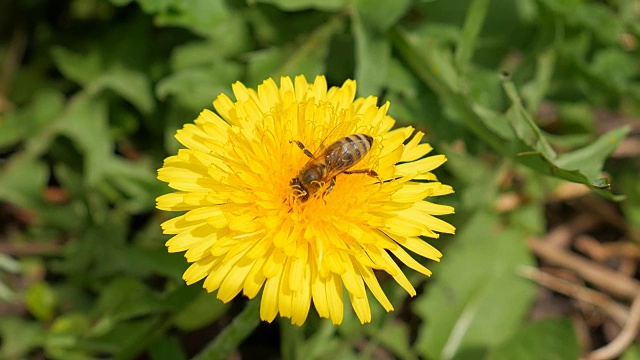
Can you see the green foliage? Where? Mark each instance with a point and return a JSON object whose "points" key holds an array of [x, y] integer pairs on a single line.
{"points": [[92, 91], [475, 301], [546, 339]]}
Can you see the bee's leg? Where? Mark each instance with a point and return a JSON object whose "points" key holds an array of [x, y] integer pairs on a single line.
{"points": [[330, 187], [368, 172], [302, 147]]}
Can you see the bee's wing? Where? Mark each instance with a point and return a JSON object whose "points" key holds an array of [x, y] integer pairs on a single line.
{"points": [[329, 135]]}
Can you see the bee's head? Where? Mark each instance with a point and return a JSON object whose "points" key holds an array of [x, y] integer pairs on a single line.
{"points": [[301, 190]]}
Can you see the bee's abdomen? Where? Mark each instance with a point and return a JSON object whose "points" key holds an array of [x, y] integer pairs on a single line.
{"points": [[360, 144], [347, 151]]}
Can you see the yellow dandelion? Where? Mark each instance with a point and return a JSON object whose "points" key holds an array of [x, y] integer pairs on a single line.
{"points": [[268, 207]]}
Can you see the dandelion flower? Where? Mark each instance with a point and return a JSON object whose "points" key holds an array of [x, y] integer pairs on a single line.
{"points": [[246, 228]]}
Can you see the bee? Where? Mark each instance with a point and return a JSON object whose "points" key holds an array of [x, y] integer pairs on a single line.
{"points": [[336, 159]]}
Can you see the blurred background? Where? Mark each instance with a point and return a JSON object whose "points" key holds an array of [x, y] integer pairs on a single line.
{"points": [[536, 104]]}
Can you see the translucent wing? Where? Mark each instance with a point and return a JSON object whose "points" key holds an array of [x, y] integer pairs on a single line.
{"points": [[329, 135]]}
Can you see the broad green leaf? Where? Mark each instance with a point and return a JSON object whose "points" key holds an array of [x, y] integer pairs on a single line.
{"points": [[484, 89], [203, 310], [604, 23], [475, 300], [97, 250], [41, 300], [124, 299], [19, 337], [196, 87], [614, 66], [23, 180], [298, 5], [551, 339], [481, 181], [395, 336], [203, 17], [81, 68], [148, 262], [590, 159], [131, 85], [71, 324], [380, 15], [128, 338], [307, 58], [373, 54], [226, 36], [65, 335], [28, 121], [275, 62], [135, 183], [85, 122]]}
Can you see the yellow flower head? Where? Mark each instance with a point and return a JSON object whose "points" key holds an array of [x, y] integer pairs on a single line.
{"points": [[256, 219]]}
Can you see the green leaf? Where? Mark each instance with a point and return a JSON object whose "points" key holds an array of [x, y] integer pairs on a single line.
{"points": [[395, 336], [41, 300], [476, 300], [203, 310], [203, 17], [131, 85], [196, 87], [307, 59], [19, 337], [614, 66], [297, 5], [128, 338], [125, 299], [71, 324], [85, 123], [373, 56], [149, 262], [30, 120], [275, 62], [524, 126], [590, 159], [135, 183], [380, 15], [81, 68], [551, 339], [476, 14], [23, 180]]}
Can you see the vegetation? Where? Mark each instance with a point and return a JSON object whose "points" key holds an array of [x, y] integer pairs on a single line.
{"points": [[535, 103]]}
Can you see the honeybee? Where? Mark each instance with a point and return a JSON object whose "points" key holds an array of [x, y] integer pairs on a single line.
{"points": [[336, 159]]}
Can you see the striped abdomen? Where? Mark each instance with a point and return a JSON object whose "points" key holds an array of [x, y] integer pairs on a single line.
{"points": [[346, 152]]}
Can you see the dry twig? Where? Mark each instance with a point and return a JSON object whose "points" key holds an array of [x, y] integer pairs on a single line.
{"points": [[601, 276], [624, 338], [617, 312]]}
